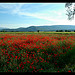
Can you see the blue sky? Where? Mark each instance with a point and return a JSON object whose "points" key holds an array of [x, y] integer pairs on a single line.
{"points": [[15, 15]]}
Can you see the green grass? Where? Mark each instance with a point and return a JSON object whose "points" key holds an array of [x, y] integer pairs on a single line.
{"points": [[67, 62], [37, 32]]}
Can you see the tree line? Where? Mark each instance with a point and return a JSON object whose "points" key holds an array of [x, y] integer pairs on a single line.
{"points": [[39, 31], [64, 30]]}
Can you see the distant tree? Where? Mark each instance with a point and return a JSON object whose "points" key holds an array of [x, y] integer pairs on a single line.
{"points": [[70, 8], [57, 30], [69, 31], [12, 31], [15, 31], [38, 30], [66, 30], [74, 30], [3, 31], [60, 30]]}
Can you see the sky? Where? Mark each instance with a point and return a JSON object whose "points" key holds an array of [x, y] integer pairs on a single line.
{"points": [[15, 15]]}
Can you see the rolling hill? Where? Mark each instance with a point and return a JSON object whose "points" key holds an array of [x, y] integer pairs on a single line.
{"points": [[42, 28]]}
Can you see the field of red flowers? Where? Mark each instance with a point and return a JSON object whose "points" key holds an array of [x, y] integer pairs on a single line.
{"points": [[35, 52]]}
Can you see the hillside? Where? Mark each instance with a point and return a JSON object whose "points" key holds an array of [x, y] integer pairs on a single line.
{"points": [[42, 28]]}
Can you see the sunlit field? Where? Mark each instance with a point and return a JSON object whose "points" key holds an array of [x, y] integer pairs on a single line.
{"points": [[37, 51], [41, 32]]}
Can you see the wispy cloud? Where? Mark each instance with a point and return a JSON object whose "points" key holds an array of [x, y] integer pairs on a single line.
{"points": [[35, 10], [11, 8], [45, 16], [7, 5], [50, 15]]}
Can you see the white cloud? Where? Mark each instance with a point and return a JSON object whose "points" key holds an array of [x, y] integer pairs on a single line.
{"points": [[11, 8], [44, 16], [66, 22], [7, 5], [57, 17], [59, 20]]}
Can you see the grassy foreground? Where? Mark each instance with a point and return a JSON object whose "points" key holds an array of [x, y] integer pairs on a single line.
{"points": [[37, 52]]}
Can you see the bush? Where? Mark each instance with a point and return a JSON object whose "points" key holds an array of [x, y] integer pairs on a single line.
{"points": [[38, 30]]}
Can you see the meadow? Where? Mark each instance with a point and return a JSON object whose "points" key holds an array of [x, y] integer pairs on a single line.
{"points": [[37, 52]]}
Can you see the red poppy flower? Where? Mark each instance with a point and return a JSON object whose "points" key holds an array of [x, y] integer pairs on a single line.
{"points": [[58, 71], [24, 62], [32, 63], [15, 57], [28, 62], [33, 55], [22, 67], [69, 71], [7, 62], [17, 67], [19, 58], [34, 67], [30, 66], [41, 69]]}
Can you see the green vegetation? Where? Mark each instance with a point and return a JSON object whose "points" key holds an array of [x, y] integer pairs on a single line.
{"points": [[41, 32], [48, 52]]}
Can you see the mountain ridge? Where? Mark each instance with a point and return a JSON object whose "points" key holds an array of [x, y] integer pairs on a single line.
{"points": [[42, 28]]}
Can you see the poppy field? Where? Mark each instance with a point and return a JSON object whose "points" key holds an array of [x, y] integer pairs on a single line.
{"points": [[22, 52]]}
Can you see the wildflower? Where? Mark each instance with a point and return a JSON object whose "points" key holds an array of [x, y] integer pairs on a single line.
{"points": [[34, 67], [12, 56], [55, 63], [55, 54], [9, 57], [7, 62], [24, 62], [17, 67], [58, 71], [41, 61], [11, 71], [68, 47], [33, 55], [32, 63], [22, 67], [17, 52], [19, 58], [41, 69], [28, 62], [69, 71], [30, 66], [8, 70], [45, 60], [15, 57]]}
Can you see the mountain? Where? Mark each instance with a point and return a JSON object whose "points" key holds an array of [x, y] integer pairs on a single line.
{"points": [[56, 27], [31, 28], [43, 28], [1, 28]]}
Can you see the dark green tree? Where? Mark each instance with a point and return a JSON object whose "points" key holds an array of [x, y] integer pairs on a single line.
{"points": [[57, 30], [61, 30], [38, 30], [66, 30]]}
